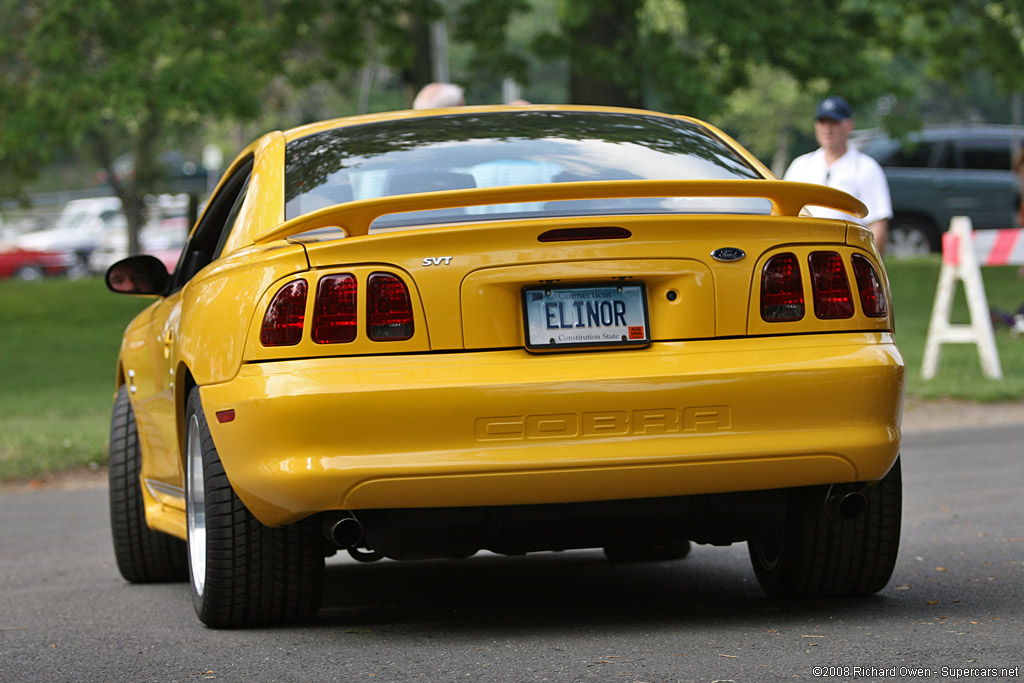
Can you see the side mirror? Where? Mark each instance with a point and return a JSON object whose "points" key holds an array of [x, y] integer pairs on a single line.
{"points": [[143, 274]]}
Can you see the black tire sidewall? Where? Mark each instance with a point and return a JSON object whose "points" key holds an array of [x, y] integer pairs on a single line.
{"points": [[814, 558], [255, 575], [142, 555]]}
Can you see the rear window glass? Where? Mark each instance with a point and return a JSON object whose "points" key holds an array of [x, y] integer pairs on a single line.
{"points": [[506, 149]]}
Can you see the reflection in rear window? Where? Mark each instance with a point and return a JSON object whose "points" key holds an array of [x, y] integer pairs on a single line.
{"points": [[510, 148]]}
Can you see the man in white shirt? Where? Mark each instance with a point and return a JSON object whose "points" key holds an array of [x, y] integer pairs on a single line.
{"points": [[838, 165]]}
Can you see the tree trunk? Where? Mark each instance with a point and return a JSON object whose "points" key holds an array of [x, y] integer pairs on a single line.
{"points": [[420, 73], [783, 144], [603, 66]]}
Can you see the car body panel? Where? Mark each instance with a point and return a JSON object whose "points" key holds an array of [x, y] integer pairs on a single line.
{"points": [[461, 413], [989, 198], [157, 357], [16, 261], [516, 242], [463, 424]]}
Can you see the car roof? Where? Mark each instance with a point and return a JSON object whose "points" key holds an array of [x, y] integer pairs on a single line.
{"points": [[408, 114], [268, 149], [947, 132]]}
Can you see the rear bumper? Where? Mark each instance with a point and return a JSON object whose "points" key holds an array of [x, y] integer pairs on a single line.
{"points": [[512, 428]]}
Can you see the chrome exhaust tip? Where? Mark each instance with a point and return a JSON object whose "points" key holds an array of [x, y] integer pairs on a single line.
{"points": [[344, 530]]}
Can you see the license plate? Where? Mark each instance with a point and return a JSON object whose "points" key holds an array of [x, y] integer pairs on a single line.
{"points": [[609, 315]]}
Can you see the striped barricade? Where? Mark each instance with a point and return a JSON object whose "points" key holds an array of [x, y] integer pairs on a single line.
{"points": [[991, 247], [963, 253]]}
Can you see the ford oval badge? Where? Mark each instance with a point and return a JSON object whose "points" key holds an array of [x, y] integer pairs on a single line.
{"points": [[728, 254]]}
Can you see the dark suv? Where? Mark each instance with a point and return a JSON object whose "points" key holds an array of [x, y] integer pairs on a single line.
{"points": [[941, 172]]}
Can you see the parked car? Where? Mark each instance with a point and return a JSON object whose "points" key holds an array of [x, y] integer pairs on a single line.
{"points": [[28, 264], [163, 235], [164, 240], [941, 172], [417, 335], [78, 230]]}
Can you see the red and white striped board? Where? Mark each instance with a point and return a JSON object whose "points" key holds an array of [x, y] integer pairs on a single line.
{"points": [[992, 247], [962, 263]]}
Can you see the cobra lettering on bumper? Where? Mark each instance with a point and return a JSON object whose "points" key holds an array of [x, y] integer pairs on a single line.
{"points": [[645, 422]]}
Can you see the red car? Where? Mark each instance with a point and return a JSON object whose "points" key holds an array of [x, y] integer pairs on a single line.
{"points": [[28, 264]]}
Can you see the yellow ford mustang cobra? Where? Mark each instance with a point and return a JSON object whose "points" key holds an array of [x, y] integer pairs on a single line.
{"points": [[419, 335]]}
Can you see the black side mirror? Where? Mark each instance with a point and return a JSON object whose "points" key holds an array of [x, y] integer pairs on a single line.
{"points": [[143, 274]]}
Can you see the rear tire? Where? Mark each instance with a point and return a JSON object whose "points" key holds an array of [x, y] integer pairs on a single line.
{"points": [[242, 572], [143, 555], [813, 556]]}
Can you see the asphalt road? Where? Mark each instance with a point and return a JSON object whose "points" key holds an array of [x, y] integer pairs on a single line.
{"points": [[955, 601]]}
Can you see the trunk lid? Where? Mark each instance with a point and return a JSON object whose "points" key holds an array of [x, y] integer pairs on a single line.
{"points": [[470, 278]]}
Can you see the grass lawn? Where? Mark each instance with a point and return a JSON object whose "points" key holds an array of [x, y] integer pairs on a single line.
{"points": [[959, 375], [59, 343], [58, 347]]}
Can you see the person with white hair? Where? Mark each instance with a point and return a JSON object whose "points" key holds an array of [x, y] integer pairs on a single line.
{"points": [[438, 95]]}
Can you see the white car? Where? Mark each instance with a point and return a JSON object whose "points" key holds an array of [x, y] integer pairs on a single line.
{"points": [[79, 229], [163, 240], [162, 236]]}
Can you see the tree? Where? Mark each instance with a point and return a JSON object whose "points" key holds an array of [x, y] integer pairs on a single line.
{"points": [[690, 56], [957, 37], [604, 45], [113, 78]]}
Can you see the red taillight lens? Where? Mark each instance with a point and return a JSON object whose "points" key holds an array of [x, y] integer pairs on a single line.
{"points": [[334, 314], [831, 289], [782, 290], [869, 285], [389, 310], [282, 323]]}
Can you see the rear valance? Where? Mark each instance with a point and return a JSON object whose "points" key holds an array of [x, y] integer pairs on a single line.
{"points": [[355, 218]]}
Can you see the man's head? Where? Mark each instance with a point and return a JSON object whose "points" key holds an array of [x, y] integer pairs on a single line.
{"points": [[833, 124], [438, 95]]}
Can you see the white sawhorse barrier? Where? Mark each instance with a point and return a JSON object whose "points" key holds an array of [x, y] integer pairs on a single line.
{"points": [[963, 253]]}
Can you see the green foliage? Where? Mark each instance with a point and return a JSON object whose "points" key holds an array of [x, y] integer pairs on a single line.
{"points": [[484, 24], [765, 112], [325, 39], [101, 79], [112, 78], [957, 37], [689, 56]]}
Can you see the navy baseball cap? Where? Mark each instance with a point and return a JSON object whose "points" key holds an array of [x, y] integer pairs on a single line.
{"points": [[834, 108]]}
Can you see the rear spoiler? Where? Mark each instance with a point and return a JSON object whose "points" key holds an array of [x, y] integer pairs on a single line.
{"points": [[355, 218]]}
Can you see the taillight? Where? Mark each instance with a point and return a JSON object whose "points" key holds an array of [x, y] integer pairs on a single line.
{"points": [[782, 291], [334, 313], [831, 288], [869, 285], [282, 323], [389, 310]]}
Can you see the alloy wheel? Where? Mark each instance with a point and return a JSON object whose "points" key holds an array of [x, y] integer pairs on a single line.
{"points": [[195, 506]]}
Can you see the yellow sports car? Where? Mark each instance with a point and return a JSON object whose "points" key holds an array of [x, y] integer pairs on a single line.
{"points": [[422, 334]]}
